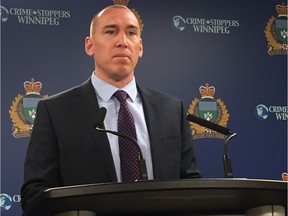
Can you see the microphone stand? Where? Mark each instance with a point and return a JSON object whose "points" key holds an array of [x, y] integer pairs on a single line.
{"points": [[226, 159]]}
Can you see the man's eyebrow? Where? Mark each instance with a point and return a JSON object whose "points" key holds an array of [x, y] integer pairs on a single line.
{"points": [[110, 26], [115, 26], [132, 26]]}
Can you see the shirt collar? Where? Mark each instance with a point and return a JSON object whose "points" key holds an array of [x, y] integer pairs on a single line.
{"points": [[105, 90]]}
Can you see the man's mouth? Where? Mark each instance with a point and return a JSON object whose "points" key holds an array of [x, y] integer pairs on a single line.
{"points": [[121, 55]]}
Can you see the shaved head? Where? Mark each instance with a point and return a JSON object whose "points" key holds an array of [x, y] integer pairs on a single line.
{"points": [[96, 17]]}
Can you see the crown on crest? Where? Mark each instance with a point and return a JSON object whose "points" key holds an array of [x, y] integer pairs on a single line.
{"points": [[207, 91], [32, 87], [121, 2], [282, 10]]}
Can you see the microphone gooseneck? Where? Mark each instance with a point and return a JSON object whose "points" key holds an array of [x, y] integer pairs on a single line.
{"points": [[226, 159], [141, 160], [98, 128], [211, 125]]}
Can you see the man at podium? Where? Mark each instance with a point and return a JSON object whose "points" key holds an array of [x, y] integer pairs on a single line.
{"points": [[68, 146]]}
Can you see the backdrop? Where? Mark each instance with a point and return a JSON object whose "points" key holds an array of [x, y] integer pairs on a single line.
{"points": [[225, 60]]}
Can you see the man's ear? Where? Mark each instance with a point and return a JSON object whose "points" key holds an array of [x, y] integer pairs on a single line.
{"points": [[89, 46], [141, 49]]}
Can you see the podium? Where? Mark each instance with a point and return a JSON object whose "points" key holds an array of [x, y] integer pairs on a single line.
{"points": [[179, 197]]}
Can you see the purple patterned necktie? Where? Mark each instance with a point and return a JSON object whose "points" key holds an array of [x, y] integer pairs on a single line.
{"points": [[128, 151]]}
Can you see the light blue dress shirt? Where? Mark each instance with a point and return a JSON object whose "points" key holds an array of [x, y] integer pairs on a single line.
{"points": [[104, 92]]}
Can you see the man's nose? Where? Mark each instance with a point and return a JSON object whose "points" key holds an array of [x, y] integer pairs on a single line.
{"points": [[121, 40]]}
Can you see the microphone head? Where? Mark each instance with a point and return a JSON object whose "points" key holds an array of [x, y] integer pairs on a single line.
{"points": [[102, 113], [100, 116], [208, 124]]}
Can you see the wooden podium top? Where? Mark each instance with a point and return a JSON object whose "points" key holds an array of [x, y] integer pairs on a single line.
{"points": [[201, 196]]}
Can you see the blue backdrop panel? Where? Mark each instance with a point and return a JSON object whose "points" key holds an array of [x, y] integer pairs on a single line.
{"points": [[217, 43]]}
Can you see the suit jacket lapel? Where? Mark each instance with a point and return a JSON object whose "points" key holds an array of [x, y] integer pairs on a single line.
{"points": [[88, 106]]}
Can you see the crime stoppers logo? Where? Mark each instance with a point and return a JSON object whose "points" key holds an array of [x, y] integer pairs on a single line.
{"points": [[280, 113], [31, 16], [261, 112], [204, 25], [6, 201], [4, 13], [210, 109], [179, 22], [23, 109], [276, 32]]}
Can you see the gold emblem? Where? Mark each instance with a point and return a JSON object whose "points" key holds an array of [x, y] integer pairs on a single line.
{"points": [[276, 32], [121, 2], [23, 109], [209, 109]]}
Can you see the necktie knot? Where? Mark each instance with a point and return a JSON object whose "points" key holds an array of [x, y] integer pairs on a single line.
{"points": [[121, 95]]}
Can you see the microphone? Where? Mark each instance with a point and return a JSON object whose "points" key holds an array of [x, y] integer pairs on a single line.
{"points": [[141, 160], [220, 129], [208, 124], [100, 117]]}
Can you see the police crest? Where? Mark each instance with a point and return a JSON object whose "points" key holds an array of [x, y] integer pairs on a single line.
{"points": [[276, 32], [210, 109], [23, 109]]}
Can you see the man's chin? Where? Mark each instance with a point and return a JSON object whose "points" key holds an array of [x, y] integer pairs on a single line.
{"points": [[122, 75]]}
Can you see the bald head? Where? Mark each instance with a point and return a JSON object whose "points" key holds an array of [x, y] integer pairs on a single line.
{"points": [[95, 19]]}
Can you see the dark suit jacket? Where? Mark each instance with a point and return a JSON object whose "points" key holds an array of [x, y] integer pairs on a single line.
{"points": [[65, 149]]}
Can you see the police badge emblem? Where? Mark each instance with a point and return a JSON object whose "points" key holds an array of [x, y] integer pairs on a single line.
{"points": [[276, 32], [23, 109], [210, 109]]}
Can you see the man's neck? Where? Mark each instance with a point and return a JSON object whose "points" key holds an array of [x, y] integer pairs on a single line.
{"points": [[117, 81]]}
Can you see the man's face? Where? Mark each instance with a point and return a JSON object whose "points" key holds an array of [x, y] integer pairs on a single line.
{"points": [[115, 44]]}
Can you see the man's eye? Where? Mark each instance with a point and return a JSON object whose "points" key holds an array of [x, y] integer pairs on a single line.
{"points": [[132, 33], [110, 32]]}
